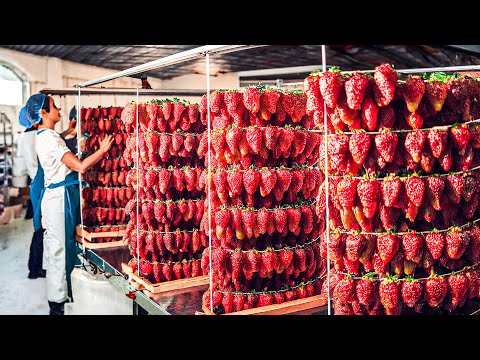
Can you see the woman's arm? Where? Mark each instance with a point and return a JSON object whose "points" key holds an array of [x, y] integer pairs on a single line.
{"points": [[70, 130], [82, 166]]}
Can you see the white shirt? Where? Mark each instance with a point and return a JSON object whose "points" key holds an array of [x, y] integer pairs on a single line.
{"points": [[50, 148], [29, 155]]}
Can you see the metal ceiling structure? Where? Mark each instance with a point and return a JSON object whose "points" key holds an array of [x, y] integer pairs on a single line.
{"points": [[347, 57]]}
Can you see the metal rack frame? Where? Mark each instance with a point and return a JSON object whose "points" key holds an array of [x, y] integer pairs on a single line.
{"points": [[208, 50], [7, 159]]}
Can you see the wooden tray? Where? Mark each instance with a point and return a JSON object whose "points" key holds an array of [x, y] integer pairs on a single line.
{"points": [[140, 283], [278, 309], [102, 245], [92, 235]]}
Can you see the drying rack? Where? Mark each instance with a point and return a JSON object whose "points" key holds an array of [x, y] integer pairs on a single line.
{"points": [[205, 52]]}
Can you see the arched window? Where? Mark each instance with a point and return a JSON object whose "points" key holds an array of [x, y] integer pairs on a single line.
{"points": [[11, 87]]}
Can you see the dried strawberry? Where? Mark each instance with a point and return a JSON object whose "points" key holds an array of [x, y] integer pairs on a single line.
{"points": [[251, 263], [222, 219], [454, 185], [411, 291], [300, 259], [390, 188], [347, 191], [344, 112], [345, 290], [385, 79], [254, 139], [456, 242], [413, 91], [330, 83], [387, 245], [458, 286], [415, 189], [236, 259], [248, 222], [437, 140], [300, 106], [367, 190], [280, 219], [414, 120], [436, 288], [369, 113], [268, 179], [460, 136], [293, 217], [412, 244], [355, 87], [227, 302], [388, 216], [251, 179], [218, 142], [251, 99], [386, 143], [232, 99], [470, 207], [220, 181], [473, 283], [337, 150], [238, 301], [389, 292], [269, 259], [435, 243], [315, 102], [414, 143], [386, 117], [436, 92], [359, 145], [365, 291], [164, 145]]}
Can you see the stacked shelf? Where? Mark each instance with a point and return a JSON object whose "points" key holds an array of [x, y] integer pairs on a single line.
{"points": [[265, 251], [403, 189], [105, 197], [164, 233]]}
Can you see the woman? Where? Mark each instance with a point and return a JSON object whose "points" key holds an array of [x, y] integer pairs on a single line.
{"points": [[35, 258], [60, 199]]}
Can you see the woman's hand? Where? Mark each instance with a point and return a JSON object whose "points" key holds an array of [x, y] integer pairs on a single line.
{"points": [[106, 143]]}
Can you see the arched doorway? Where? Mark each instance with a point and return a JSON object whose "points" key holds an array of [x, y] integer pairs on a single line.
{"points": [[14, 88]]}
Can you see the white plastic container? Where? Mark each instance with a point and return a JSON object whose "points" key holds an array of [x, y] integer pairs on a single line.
{"points": [[95, 295]]}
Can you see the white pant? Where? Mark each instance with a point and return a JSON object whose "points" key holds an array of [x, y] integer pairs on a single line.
{"points": [[53, 221]]}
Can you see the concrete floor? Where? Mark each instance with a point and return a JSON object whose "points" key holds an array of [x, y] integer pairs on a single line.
{"points": [[19, 295]]}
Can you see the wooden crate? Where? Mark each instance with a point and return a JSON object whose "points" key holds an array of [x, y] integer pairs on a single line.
{"points": [[92, 235], [289, 307], [90, 238], [140, 283], [103, 245]]}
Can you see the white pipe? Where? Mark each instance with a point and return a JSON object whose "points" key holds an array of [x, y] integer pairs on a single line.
{"points": [[170, 60], [327, 212], [207, 64]]}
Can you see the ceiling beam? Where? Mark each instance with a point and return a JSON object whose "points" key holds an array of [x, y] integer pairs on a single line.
{"points": [[121, 91], [181, 57]]}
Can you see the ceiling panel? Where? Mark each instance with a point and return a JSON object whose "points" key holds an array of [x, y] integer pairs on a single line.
{"points": [[348, 57]]}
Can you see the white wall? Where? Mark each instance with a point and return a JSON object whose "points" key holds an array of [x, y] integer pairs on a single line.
{"points": [[43, 72]]}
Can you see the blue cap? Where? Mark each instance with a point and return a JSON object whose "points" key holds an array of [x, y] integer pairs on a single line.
{"points": [[23, 118], [30, 113]]}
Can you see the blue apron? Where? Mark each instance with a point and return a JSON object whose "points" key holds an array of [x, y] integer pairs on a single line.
{"points": [[72, 212]]}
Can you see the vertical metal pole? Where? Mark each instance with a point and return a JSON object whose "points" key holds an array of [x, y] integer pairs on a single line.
{"points": [[207, 64], [5, 179], [138, 182], [327, 212], [79, 154]]}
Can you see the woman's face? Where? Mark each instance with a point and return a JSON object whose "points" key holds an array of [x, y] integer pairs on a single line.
{"points": [[54, 114]]}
